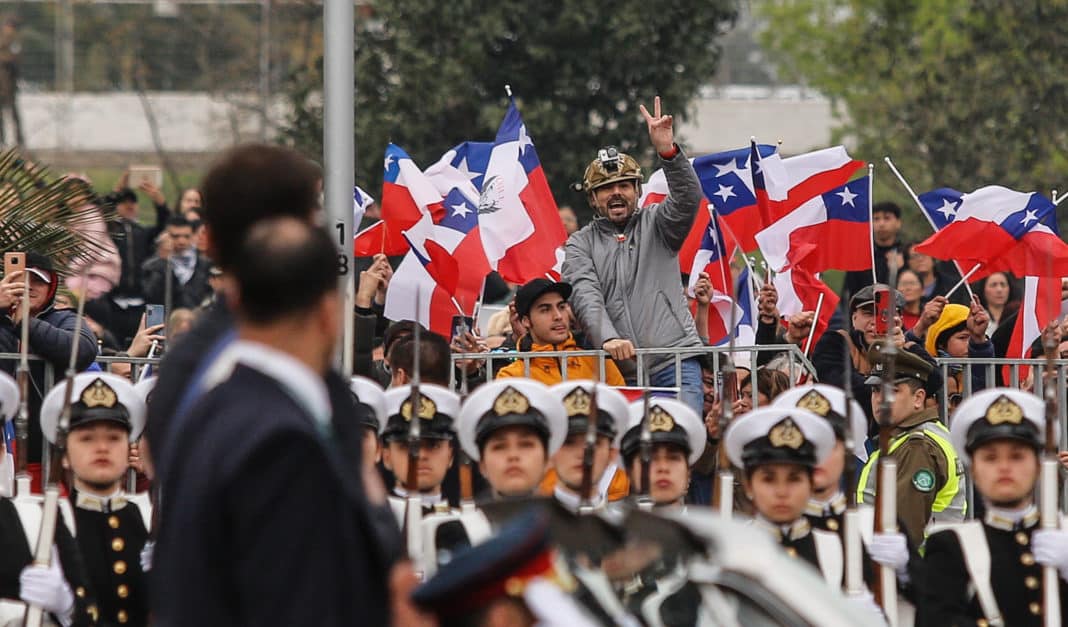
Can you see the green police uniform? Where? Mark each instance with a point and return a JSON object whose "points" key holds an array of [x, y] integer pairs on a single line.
{"points": [[930, 473]]}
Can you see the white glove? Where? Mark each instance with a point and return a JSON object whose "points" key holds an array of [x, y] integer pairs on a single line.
{"points": [[865, 602], [146, 555], [45, 587], [890, 549], [1050, 547]]}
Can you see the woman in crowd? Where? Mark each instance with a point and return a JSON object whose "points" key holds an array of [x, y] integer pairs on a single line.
{"points": [[911, 287], [998, 295]]}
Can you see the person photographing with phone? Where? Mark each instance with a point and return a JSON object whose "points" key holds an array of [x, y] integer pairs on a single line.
{"points": [[51, 334]]}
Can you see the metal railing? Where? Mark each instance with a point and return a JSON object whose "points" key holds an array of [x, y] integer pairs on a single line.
{"points": [[797, 364]]}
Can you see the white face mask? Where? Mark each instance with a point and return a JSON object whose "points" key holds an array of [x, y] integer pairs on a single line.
{"points": [[7, 476]]}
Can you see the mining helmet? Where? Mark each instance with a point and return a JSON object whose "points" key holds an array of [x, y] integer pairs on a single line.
{"points": [[611, 166]]}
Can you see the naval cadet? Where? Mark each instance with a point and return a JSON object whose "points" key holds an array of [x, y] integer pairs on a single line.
{"points": [[677, 437], [512, 427], [106, 415], [436, 410], [610, 419], [61, 588], [989, 572], [778, 448], [370, 400]]}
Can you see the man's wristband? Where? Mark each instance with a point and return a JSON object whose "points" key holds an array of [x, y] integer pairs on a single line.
{"points": [[364, 311], [670, 154]]}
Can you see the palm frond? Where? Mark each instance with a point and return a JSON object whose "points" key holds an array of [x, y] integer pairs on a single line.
{"points": [[43, 213]]}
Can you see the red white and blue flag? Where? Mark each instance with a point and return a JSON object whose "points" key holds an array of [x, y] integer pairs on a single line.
{"points": [[728, 191], [783, 185], [406, 196], [471, 159], [518, 217], [1041, 304], [711, 257], [830, 230], [799, 290], [996, 229]]}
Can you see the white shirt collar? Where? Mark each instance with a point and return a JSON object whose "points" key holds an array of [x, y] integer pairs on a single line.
{"points": [[427, 500], [572, 501], [303, 385]]}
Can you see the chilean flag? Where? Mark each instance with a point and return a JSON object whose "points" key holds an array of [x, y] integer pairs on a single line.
{"points": [[1041, 305], [998, 229], [406, 196], [711, 257], [831, 230], [520, 224], [471, 159], [799, 290], [727, 189], [451, 251], [783, 185]]}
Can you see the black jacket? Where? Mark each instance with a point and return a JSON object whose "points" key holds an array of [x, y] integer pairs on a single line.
{"points": [[51, 335], [189, 296], [15, 555], [268, 523], [136, 243], [946, 598]]}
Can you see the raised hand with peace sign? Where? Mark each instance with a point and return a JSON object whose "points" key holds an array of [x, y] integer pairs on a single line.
{"points": [[661, 133]]}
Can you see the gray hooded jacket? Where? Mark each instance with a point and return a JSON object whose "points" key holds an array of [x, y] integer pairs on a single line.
{"points": [[627, 283]]}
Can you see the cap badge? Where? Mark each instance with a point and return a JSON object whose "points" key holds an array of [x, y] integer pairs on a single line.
{"points": [[427, 409], [786, 435], [511, 401], [1004, 410], [99, 394], [815, 403], [577, 403], [660, 419]]}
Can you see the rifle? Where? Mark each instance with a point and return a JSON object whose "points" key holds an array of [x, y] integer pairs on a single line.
{"points": [[50, 514], [645, 451], [22, 419], [886, 478], [853, 583], [586, 491], [467, 491], [1050, 519], [723, 488], [413, 512]]}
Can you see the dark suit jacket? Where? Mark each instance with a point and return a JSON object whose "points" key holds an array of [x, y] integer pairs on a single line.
{"points": [[264, 520]]}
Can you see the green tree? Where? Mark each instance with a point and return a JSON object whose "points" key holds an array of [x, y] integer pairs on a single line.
{"points": [[961, 93], [432, 74]]}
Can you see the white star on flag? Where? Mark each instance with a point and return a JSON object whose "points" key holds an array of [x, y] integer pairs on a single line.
{"points": [[948, 209], [725, 192], [731, 167], [467, 171], [388, 162], [1030, 216], [847, 197], [523, 139], [460, 209]]}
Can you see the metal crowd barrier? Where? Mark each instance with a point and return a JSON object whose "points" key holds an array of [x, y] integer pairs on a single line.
{"points": [[797, 364]]}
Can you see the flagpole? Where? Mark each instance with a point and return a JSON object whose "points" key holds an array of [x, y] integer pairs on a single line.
{"points": [[923, 212], [478, 301], [815, 321], [457, 305], [964, 281], [871, 220]]}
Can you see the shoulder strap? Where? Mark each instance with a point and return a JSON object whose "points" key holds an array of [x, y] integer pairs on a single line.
{"points": [[829, 554], [976, 552]]}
